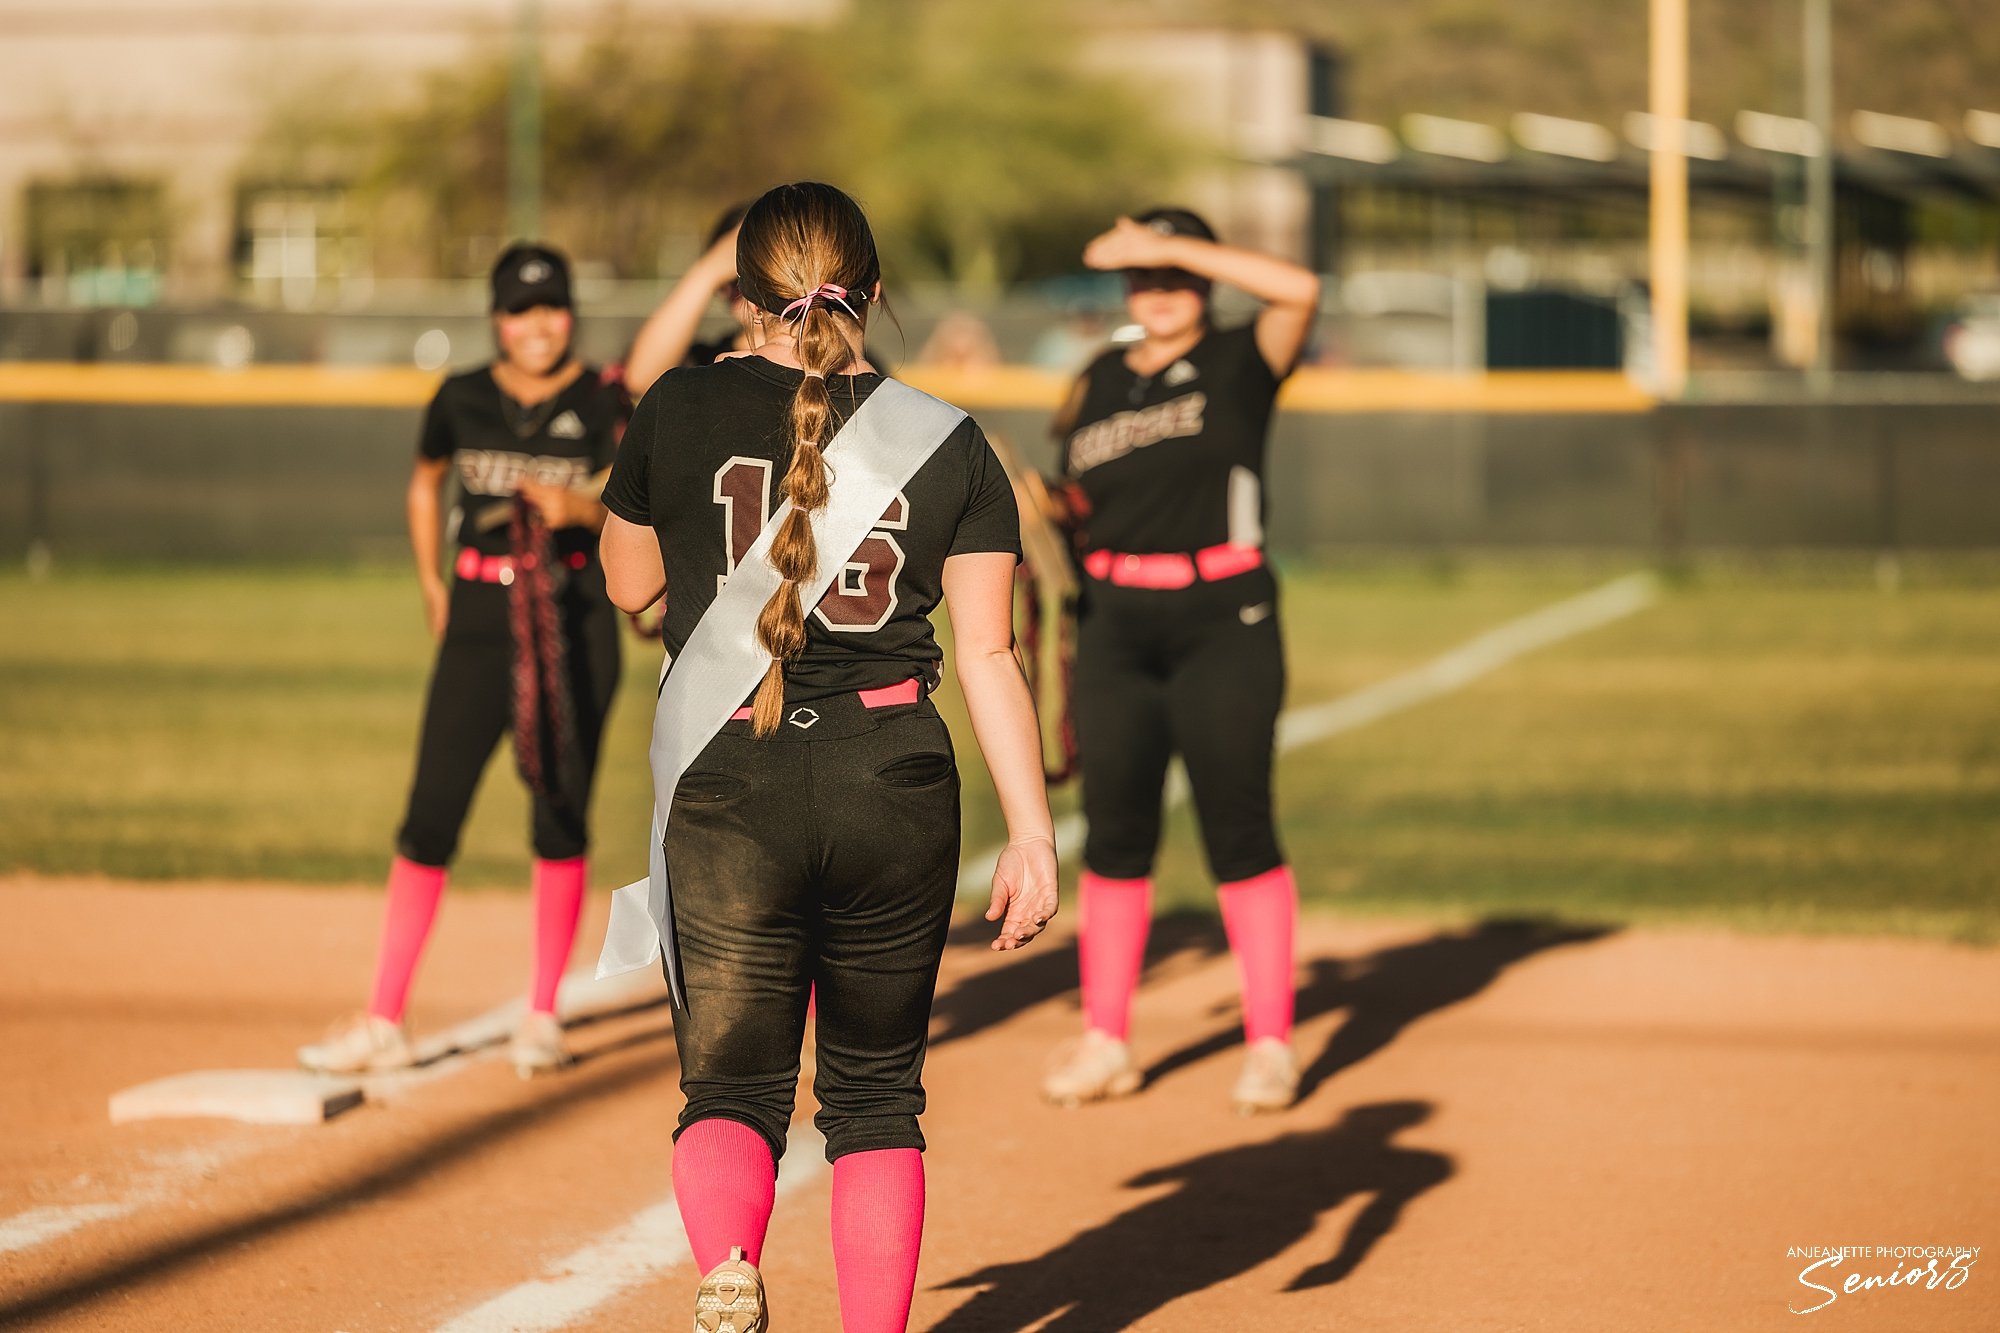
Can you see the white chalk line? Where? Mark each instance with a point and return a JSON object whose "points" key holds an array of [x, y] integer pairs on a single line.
{"points": [[480, 1038], [39, 1226], [648, 1244], [170, 1176], [1442, 675]]}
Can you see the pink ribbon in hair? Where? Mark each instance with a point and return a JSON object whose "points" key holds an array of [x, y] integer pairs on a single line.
{"points": [[826, 291]]}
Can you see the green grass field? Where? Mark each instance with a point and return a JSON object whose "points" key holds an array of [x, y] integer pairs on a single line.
{"points": [[1774, 747]]}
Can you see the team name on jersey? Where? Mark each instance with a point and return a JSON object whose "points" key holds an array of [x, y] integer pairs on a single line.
{"points": [[1118, 435], [499, 471]]}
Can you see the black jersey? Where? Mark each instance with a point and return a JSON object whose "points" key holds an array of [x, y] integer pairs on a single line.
{"points": [[708, 353], [494, 442], [701, 465], [1175, 461]]}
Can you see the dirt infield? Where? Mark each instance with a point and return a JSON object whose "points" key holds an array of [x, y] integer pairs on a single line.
{"points": [[1507, 1126]]}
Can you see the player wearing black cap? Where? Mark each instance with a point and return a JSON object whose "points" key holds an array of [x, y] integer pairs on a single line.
{"points": [[1178, 648], [528, 642]]}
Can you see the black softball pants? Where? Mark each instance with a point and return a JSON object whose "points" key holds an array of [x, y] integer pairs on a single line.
{"points": [[820, 860], [1198, 671], [470, 706]]}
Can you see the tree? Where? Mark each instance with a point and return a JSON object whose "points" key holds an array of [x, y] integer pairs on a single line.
{"points": [[644, 139], [981, 149]]}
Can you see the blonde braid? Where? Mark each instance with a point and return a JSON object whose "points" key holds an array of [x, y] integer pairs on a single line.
{"points": [[781, 627]]}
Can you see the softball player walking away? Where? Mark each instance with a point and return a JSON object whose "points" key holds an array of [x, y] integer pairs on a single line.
{"points": [[814, 841], [1178, 648], [528, 642], [668, 337]]}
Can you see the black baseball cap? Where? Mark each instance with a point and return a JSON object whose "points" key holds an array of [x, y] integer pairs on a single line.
{"points": [[1171, 222], [526, 276], [1176, 222]]}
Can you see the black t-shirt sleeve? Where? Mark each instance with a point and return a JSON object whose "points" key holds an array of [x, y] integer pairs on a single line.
{"points": [[991, 521], [438, 439], [1242, 350], [628, 491], [705, 353]]}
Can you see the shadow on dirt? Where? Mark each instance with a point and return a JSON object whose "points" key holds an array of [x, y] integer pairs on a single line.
{"points": [[1385, 991], [101, 1286], [1228, 1212], [990, 996]]}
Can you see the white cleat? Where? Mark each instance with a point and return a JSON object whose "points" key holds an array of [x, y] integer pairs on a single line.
{"points": [[731, 1298], [360, 1044], [1270, 1077], [538, 1046], [1095, 1067]]}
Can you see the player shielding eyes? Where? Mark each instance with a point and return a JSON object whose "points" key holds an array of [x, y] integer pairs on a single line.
{"points": [[1178, 643]]}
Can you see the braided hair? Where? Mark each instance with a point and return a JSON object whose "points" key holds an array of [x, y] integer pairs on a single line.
{"points": [[806, 254]]}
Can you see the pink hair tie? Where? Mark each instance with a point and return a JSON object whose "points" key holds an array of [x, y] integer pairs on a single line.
{"points": [[814, 375], [826, 291]]}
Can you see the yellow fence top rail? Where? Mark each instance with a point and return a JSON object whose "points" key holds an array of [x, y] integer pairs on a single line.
{"points": [[1001, 387]]}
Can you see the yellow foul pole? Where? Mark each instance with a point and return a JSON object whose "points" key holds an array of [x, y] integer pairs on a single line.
{"points": [[1668, 251]]}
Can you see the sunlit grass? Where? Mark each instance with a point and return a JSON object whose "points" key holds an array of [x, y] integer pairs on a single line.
{"points": [[1769, 747]]}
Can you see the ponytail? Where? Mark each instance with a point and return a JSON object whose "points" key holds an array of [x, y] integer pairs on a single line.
{"points": [[805, 254], [781, 627]]}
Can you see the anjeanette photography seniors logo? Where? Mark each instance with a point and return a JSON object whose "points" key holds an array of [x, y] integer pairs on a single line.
{"points": [[1834, 1272]]}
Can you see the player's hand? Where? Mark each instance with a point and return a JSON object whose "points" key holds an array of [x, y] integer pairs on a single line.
{"points": [[555, 503], [1129, 244], [1024, 890], [718, 262], [437, 606]]}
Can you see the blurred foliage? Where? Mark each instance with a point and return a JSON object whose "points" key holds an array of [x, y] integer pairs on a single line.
{"points": [[981, 148], [644, 137], [1003, 156]]}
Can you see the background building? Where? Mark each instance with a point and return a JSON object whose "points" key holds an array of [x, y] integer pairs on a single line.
{"points": [[321, 157]]}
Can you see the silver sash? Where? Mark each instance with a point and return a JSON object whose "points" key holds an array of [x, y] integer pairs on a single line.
{"points": [[871, 458]]}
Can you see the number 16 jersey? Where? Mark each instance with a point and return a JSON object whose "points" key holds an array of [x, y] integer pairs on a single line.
{"points": [[701, 465]]}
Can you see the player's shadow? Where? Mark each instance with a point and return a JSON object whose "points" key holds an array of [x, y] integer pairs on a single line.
{"points": [[1228, 1212], [988, 996], [1385, 991]]}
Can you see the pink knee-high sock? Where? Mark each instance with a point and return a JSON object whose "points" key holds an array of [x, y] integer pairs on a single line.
{"points": [[1261, 916], [414, 891], [1111, 948], [724, 1181], [878, 1230], [558, 901]]}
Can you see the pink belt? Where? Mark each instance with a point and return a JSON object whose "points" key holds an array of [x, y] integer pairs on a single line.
{"points": [[1171, 569], [473, 566], [902, 692]]}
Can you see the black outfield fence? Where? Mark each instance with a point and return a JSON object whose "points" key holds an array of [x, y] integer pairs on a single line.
{"points": [[150, 481]]}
